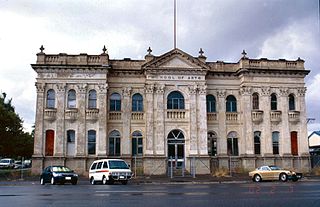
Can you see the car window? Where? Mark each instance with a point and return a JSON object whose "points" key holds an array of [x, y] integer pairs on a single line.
{"points": [[105, 165], [275, 168], [265, 169], [99, 165], [118, 164], [60, 169], [94, 165]]}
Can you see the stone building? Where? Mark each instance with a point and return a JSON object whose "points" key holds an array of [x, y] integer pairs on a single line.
{"points": [[173, 109]]}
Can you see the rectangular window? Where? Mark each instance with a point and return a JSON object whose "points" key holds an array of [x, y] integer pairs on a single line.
{"points": [[275, 143]]}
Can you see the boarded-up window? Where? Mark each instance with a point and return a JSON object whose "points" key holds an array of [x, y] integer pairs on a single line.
{"points": [[49, 142]]}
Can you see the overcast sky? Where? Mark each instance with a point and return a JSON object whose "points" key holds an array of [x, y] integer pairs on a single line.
{"points": [[223, 28]]}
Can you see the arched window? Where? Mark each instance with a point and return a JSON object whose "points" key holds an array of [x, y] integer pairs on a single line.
{"points": [[114, 143], [211, 103], [292, 106], [91, 142], [71, 140], [232, 144], [274, 102], [49, 143], [257, 142], [115, 102], [175, 100], [231, 104], [137, 145], [71, 98], [212, 144], [137, 102], [255, 101], [92, 99], [275, 143], [51, 98]]}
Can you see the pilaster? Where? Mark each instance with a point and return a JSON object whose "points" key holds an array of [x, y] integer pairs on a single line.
{"points": [[222, 140], [202, 120], [285, 141], [303, 146], [247, 133], [59, 139], [159, 129], [266, 138], [102, 138], [149, 90], [193, 120], [39, 135], [126, 118]]}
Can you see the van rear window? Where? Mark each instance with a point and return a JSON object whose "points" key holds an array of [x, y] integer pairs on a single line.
{"points": [[118, 164]]}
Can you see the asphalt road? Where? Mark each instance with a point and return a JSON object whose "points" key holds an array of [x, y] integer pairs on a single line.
{"points": [[186, 194]]}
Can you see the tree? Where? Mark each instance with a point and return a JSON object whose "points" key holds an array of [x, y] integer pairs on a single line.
{"points": [[14, 141]]}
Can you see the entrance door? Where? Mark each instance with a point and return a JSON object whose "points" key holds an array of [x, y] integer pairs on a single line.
{"points": [[49, 142], [176, 149], [294, 143]]}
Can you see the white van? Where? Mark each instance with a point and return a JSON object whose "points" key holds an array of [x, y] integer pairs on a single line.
{"points": [[108, 171]]}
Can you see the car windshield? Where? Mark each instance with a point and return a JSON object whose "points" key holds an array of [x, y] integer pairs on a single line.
{"points": [[275, 168], [117, 164], [60, 169], [4, 161]]}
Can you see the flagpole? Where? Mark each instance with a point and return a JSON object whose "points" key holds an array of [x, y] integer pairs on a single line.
{"points": [[175, 26]]}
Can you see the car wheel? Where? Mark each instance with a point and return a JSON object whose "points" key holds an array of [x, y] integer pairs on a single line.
{"points": [[124, 182], [53, 182], [41, 181], [104, 180], [257, 178], [283, 177], [92, 181]]}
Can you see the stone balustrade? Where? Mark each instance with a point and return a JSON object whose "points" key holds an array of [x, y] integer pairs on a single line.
{"points": [[176, 114], [65, 59], [212, 116], [274, 64], [232, 117], [275, 116], [71, 114], [115, 115], [257, 116], [50, 114], [92, 114], [294, 116], [137, 116]]}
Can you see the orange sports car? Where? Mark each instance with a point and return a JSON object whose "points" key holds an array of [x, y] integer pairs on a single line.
{"points": [[273, 173]]}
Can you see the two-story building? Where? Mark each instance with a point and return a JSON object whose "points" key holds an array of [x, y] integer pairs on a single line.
{"points": [[169, 109]]}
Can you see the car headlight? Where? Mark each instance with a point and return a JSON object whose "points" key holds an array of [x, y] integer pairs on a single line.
{"points": [[56, 174]]}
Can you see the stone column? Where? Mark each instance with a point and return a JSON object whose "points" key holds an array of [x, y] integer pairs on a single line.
{"points": [[159, 128], [222, 136], [59, 139], [202, 120], [247, 133], [303, 146], [149, 89], [102, 139], [266, 135], [39, 135], [285, 139], [126, 120], [193, 120]]}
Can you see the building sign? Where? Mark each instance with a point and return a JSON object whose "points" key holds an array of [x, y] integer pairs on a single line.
{"points": [[176, 77]]}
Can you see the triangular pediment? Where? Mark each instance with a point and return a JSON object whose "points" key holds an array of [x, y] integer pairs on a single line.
{"points": [[175, 59]]}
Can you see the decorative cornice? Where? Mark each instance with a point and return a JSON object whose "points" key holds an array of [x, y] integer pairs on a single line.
{"points": [[284, 91], [160, 88], [103, 87], [202, 89], [302, 91], [245, 90], [149, 88], [61, 87], [40, 87], [265, 91], [82, 88], [126, 91], [221, 93], [192, 89]]}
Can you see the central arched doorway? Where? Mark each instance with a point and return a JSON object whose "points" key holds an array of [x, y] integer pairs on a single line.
{"points": [[176, 149]]}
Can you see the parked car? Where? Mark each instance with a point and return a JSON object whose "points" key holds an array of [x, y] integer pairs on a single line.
{"points": [[58, 174], [27, 163], [109, 171], [18, 165], [273, 173], [7, 163]]}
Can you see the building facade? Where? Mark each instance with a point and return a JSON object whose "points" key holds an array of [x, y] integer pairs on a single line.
{"points": [[169, 110]]}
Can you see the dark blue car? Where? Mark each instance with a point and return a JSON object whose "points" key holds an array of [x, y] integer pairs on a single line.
{"points": [[58, 174]]}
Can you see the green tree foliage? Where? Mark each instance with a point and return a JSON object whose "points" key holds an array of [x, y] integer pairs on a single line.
{"points": [[14, 142]]}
